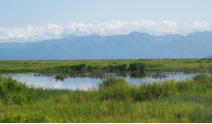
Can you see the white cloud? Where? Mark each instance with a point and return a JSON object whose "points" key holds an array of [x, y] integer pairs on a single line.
{"points": [[30, 33], [52, 31]]}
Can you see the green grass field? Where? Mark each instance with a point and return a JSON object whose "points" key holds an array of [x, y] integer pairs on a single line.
{"points": [[115, 100], [96, 65]]}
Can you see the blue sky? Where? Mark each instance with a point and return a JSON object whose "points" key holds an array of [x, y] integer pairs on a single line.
{"points": [[49, 19]]}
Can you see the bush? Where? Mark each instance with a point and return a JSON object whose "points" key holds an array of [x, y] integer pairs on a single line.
{"points": [[113, 88], [109, 81], [154, 90], [201, 66], [137, 66], [111, 68], [13, 92], [62, 69], [123, 67], [93, 67], [81, 67], [202, 79]]}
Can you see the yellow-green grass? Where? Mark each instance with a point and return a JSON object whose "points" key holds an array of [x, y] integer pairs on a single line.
{"points": [[115, 100], [150, 64]]}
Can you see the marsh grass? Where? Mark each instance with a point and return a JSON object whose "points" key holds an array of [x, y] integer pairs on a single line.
{"points": [[67, 66], [114, 100]]}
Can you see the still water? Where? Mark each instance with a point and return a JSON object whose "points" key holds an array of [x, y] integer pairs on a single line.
{"points": [[85, 83]]}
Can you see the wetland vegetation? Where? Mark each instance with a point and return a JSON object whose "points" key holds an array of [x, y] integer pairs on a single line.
{"points": [[115, 100], [69, 66]]}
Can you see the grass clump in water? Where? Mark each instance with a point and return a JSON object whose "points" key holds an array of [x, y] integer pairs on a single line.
{"points": [[110, 81], [59, 76]]}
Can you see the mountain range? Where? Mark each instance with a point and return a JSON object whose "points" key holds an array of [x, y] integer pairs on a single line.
{"points": [[131, 46]]}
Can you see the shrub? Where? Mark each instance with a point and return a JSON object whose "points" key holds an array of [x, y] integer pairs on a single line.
{"points": [[81, 67], [137, 66], [199, 61], [109, 81], [123, 67], [111, 68], [93, 67], [201, 66], [13, 92], [154, 90], [202, 78], [113, 88]]}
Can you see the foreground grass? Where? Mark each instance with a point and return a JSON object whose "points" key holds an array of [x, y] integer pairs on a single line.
{"points": [[96, 65], [114, 101]]}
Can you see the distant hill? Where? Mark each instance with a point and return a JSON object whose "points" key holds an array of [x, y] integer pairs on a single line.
{"points": [[131, 46], [195, 45], [210, 56]]}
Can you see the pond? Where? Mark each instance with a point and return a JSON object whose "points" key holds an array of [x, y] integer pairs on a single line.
{"points": [[85, 83]]}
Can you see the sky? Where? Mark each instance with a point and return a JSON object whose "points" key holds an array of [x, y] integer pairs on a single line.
{"points": [[36, 20]]}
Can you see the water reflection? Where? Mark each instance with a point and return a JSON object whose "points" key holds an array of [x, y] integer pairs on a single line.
{"points": [[49, 82], [85, 82], [149, 79], [138, 75]]}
